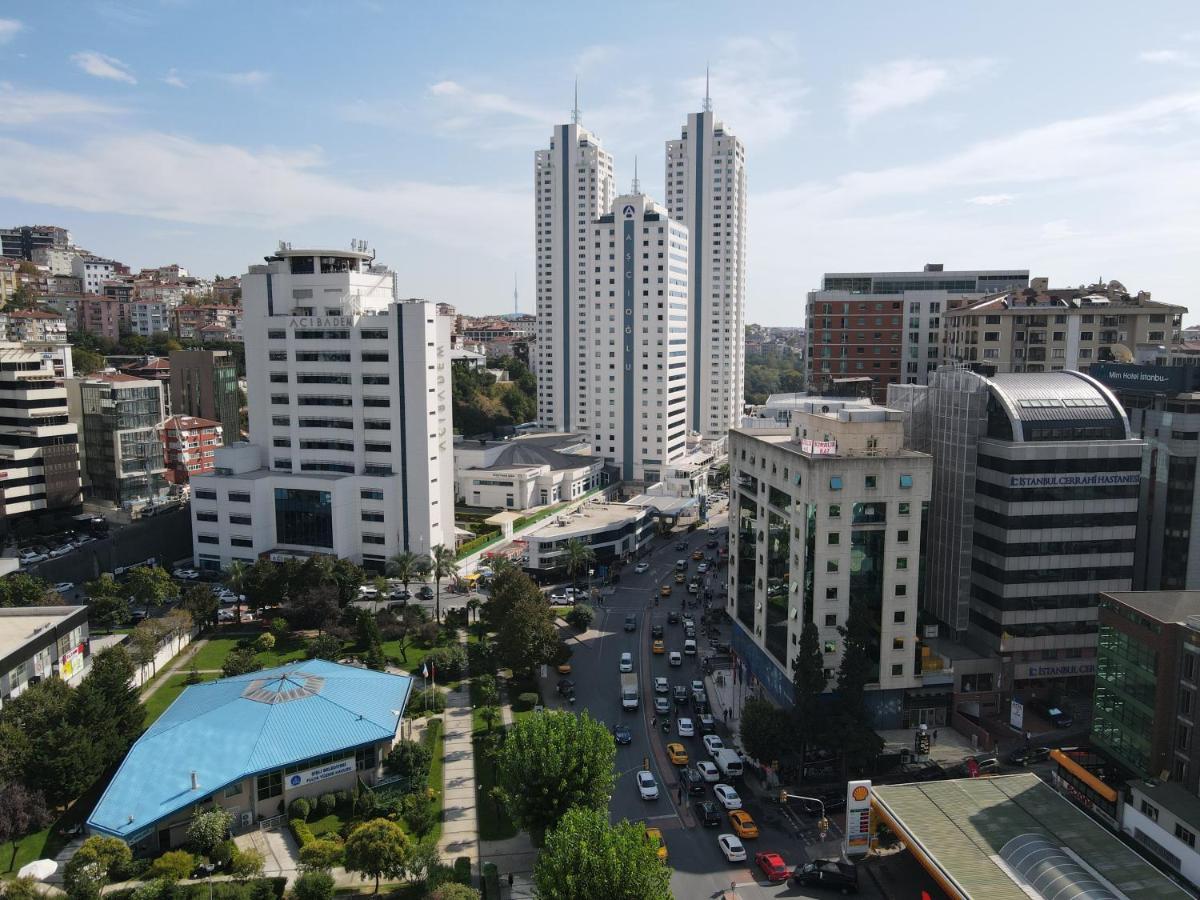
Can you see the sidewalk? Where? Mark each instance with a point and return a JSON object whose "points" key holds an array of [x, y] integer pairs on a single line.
{"points": [[460, 827]]}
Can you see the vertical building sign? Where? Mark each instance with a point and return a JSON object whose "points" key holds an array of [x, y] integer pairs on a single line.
{"points": [[858, 818]]}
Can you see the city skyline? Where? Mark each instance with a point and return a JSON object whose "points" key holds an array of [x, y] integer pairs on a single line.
{"points": [[126, 126]]}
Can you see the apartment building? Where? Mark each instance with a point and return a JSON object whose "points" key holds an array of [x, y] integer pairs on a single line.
{"points": [[92, 271], [826, 512], [39, 326], [204, 383], [23, 241], [888, 325], [1040, 329], [706, 191], [572, 187], [350, 450], [189, 447], [191, 320]]}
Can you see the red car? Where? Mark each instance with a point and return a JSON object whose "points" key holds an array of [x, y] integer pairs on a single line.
{"points": [[772, 865]]}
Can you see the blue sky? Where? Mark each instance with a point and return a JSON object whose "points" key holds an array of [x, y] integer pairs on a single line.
{"points": [[1064, 137]]}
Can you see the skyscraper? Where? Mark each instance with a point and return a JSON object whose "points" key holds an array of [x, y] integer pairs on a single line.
{"points": [[573, 186], [706, 190], [633, 372]]}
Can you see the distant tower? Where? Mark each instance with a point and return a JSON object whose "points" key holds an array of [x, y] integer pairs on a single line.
{"points": [[516, 297]]}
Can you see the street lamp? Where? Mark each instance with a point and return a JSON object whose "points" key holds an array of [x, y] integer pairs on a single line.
{"points": [[822, 823]]}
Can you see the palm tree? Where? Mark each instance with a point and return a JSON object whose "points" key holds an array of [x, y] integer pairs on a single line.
{"points": [[235, 578], [403, 566], [473, 605], [442, 565], [579, 557], [380, 584]]}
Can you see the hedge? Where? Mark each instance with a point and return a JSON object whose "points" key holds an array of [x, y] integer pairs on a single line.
{"points": [[301, 832], [254, 889], [478, 543], [462, 870]]}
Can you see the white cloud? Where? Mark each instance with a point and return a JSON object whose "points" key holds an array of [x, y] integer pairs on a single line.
{"points": [[22, 107], [593, 57], [9, 29], [101, 66], [177, 179], [1057, 230], [172, 78], [489, 117], [1168, 58], [992, 199], [908, 82], [251, 78]]}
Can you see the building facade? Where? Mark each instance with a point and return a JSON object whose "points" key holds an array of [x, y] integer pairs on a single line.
{"points": [[612, 531], [92, 272], [706, 191], [204, 383], [42, 642], [35, 326], [525, 472], [121, 454], [632, 377], [824, 513], [888, 325], [23, 241], [189, 447], [191, 320], [39, 442], [572, 187], [350, 449]]}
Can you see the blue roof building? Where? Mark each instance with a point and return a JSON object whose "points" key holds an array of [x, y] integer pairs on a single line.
{"points": [[252, 744]]}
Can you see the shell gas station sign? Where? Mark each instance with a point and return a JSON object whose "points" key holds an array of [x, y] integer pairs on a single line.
{"points": [[858, 818]]}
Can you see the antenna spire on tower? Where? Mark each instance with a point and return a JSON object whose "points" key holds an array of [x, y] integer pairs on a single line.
{"points": [[637, 185], [707, 98], [575, 115]]}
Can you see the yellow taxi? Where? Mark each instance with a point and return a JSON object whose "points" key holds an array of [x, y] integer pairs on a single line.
{"points": [[664, 591], [742, 824], [697, 555], [677, 754], [680, 578], [564, 669], [659, 647], [654, 837]]}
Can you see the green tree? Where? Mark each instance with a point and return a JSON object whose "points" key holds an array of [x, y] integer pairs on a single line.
{"points": [[442, 565], [550, 763], [315, 607], [150, 586], [508, 585], [174, 865], [235, 580], [14, 752], [240, 661], [528, 636], [313, 885], [246, 864], [409, 759], [21, 590], [347, 578], [850, 721], [324, 646], [580, 615], [144, 642], [59, 758], [767, 732], [108, 606], [377, 849], [579, 556], [320, 855], [263, 584], [96, 861], [403, 566], [22, 812], [209, 829], [585, 857], [106, 708], [808, 683], [201, 602]]}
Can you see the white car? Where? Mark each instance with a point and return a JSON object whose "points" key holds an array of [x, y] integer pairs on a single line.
{"points": [[685, 727], [662, 705], [727, 796], [713, 743], [62, 551], [697, 685], [660, 685], [702, 568], [732, 847], [675, 658], [558, 598], [626, 662], [689, 647], [185, 574], [708, 772], [647, 786], [641, 567], [64, 587], [30, 558], [368, 590]]}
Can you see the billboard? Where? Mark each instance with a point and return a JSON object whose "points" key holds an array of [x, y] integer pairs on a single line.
{"points": [[70, 663], [858, 818], [1137, 379], [320, 773], [818, 448]]}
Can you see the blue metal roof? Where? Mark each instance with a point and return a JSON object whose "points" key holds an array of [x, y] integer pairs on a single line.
{"points": [[225, 730]]}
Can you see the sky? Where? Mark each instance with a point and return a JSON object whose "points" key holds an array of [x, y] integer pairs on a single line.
{"points": [[1059, 137]]}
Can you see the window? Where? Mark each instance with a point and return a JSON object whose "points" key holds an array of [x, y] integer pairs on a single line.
{"points": [[898, 616], [831, 565], [898, 670], [905, 481], [901, 562], [898, 643], [835, 483], [831, 620], [1150, 811], [830, 647], [241, 542], [1186, 836], [376, 401], [870, 481], [835, 510], [373, 539], [372, 515], [831, 593], [206, 495], [370, 494], [206, 517], [270, 785], [902, 536], [239, 497], [208, 539], [239, 520], [233, 790], [835, 538], [903, 509], [374, 357]]}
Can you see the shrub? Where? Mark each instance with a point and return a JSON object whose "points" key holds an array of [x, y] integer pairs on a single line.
{"points": [[279, 626], [527, 701], [418, 813], [455, 891], [240, 661], [326, 804], [208, 828], [343, 798], [462, 869], [246, 864], [428, 633], [174, 865], [299, 809], [313, 886], [301, 832], [324, 646], [265, 641], [449, 661], [223, 853], [193, 677], [430, 700], [408, 759], [455, 618], [581, 616], [320, 855]]}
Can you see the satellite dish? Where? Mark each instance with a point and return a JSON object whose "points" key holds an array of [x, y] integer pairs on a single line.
{"points": [[1121, 353]]}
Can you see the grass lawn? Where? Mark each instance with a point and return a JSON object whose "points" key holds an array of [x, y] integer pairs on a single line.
{"points": [[212, 655], [494, 824], [517, 687], [156, 704], [327, 826]]}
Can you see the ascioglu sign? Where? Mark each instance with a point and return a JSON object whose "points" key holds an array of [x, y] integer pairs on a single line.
{"points": [[858, 818]]}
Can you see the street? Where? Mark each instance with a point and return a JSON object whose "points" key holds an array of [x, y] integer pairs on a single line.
{"points": [[700, 869]]}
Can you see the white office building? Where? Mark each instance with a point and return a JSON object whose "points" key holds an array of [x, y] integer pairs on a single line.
{"points": [[633, 376], [525, 471], [350, 450], [706, 191], [92, 272], [573, 186]]}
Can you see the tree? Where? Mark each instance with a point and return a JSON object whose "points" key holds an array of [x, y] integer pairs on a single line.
{"points": [[808, 683], [263, 584], [208, 829], [105, 707], [22, 590], [528, 636], [14, 752], [346, 577], [579, 556], [550, 763], [174, 865], [108, 606], [235, 580], [377, 849], [580, 615], [766, 730], [144, 642], [96, 861], [409, 759], [240, 661], [22, 812], [850, 721], [150, 586], [442, 565], [509, 585], [201, 603], [313, 885], [315, 607], [60, 759], [85, 362], [320, 855], [586, 857], [403, 566], [324, 646], [246, 864]]}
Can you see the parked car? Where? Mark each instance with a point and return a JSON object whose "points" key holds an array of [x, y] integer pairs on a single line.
{"points": [[707, 813], [1055, 715], [185, 574], [772, 866], [713, 743], [647, 786], [731, 847], [685, 728], [64, 587], [28, 559], [425, 592], [1027, 756], [827, 873]]}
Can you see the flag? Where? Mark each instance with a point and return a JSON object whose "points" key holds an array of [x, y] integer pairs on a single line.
{"points": [[424, 671]]}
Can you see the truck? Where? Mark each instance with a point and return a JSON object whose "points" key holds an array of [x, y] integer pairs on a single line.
{"points": [[629, 691]]}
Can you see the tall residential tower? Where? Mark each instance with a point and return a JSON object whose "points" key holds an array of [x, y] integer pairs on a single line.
{"points": [[706, 190], [573, 186]]}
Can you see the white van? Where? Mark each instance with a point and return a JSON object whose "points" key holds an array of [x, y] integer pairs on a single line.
{"points": [[728, 762], [689, 647]]}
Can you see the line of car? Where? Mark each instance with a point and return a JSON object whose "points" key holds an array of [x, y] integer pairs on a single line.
{"points": [[40, 553]]}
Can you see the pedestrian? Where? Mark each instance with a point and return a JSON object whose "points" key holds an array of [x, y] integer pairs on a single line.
{"points": [[653, 721], [935, 735], [510, 880]]}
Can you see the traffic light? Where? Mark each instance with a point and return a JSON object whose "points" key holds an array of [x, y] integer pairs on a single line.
{"points": [[783, 796], [823, 827]]}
